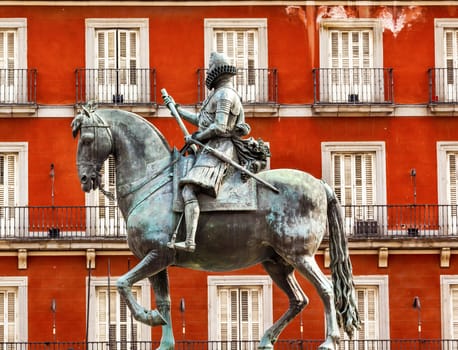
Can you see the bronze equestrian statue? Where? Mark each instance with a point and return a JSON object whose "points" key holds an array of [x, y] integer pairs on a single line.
{"points": [[279, 222]]}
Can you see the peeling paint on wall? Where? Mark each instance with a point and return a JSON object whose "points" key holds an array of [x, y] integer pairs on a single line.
{"points": [[297, 11], [397, 22]]}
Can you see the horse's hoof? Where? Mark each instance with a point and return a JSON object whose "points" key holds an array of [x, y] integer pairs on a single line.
{"points": [[327, 345], [154, 318]]}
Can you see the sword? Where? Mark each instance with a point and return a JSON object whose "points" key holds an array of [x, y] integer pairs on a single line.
{"points": [[236, 165]]}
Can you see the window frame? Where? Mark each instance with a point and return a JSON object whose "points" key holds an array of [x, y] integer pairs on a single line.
{"points": [[97, 282], [443, 148], [446, 282], [260, 24], [381, 282], [22, 150], [213, 282], [20, 25], [327, 148], [21, 283], [326, 25], [141, 24]]}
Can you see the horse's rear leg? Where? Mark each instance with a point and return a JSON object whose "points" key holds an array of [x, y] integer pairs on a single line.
{"points": [[145, 268], [283, 275], [160, 284], [308, 267]]}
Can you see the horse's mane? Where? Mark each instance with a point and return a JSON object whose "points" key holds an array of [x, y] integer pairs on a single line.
{"points": [[88, 116]]}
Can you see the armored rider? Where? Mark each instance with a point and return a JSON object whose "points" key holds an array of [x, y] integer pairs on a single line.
{"points": [[220, 119]]}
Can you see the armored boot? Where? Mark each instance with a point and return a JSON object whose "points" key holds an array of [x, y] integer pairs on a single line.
{"points": [[191, 214]]}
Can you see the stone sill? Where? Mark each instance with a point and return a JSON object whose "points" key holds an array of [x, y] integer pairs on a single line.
{"points": [[444, 109], [8, 111], [345, 110]]}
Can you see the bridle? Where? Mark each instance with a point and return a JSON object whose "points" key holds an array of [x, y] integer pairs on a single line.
{"points": [[96, 123]]}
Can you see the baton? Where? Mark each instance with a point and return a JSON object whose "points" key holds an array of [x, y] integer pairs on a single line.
{"points": [[176, 115]]}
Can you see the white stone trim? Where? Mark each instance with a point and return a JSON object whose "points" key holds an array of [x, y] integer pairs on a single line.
{"points": [[347, 24], [327, 148], [145, 300], [21, 283], [380, 281], [142, 24], [22, 149], [446, 282], [20, 24], [259, 23], [213, 282]]}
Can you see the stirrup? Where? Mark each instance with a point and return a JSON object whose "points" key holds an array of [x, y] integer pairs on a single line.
{"points": [[186, 246]]}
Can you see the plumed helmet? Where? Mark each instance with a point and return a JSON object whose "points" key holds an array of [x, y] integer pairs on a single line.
{"points": [[219, 67]]}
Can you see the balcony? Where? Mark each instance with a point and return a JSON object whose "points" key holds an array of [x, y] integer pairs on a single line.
{"points": [[18, 91], [257, 87], [380, 222], [350, 91], [293, 344], [70, 222], [443, 90], [132, 89]]}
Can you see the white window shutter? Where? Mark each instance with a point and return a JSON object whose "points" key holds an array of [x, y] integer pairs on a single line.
{"points": [[114, 321], [8, 180], [8, 315], [452, 182], [354, 181], [239, 313], [454, 311]]}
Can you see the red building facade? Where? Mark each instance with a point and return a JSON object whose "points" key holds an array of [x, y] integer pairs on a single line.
{"points": [[361, 94]]}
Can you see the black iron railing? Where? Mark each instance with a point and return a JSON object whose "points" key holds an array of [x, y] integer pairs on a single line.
{"points": [[294, 344], [101, 222], [18, 86], [443, 85], [400, 220], [71, 222], [254, 85], [353, 86], [116, 86]]}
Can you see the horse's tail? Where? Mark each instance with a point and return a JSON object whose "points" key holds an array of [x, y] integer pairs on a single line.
{"points": [[341, 269]]}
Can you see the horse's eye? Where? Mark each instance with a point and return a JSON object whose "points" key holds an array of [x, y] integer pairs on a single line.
{"points": [[87, 138]]}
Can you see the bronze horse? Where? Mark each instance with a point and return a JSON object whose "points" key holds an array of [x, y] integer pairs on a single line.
{"points": [[283, 234]]}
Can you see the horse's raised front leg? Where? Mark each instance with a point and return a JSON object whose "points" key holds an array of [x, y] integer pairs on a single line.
{"points": [[144, 269], [160, 284], [283, 275], [308, 267]]}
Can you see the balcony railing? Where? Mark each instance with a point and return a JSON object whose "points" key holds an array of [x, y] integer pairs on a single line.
{"points": [[72, 222], [18, 86], [254, 85], [443, 85], [106, 222], [116, 86], [294, 344], [353, 86]]}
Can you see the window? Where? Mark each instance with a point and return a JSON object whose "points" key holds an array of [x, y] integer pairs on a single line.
{"points": [[13, 60], [13, 187], [446, 43], [351, 61], [109, 317], [447, 176], [372, 299], [104, 217], [244, 41], [117, 61], [449, 306], [240, 307], [356, 171], [13, 309]]}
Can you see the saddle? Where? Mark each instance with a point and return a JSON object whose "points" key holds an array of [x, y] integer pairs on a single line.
{"points": [[236, 192]]}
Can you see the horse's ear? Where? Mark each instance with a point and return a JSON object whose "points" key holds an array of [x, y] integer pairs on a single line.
{"points": [[76, 126]]}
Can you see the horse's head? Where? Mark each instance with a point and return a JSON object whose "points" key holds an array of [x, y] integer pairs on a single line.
{"points": [[94, 146]]}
